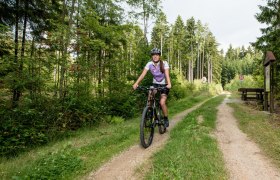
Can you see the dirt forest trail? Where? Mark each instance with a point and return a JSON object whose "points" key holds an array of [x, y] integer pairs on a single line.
{"points": [[243, 158], [125, 164]]}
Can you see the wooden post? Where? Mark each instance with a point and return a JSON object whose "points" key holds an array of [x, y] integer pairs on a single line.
{"points": [[265, 101], [271, 107], [269, 81], [265, 98]]}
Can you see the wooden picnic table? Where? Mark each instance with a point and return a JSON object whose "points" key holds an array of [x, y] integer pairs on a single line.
{"points": [[251, 93]]}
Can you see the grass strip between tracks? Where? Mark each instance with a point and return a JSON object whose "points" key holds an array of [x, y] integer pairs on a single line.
{"points": [[192, 151]]}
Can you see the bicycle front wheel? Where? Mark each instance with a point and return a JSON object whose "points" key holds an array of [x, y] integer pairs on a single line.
{"points": [[147, 127]]}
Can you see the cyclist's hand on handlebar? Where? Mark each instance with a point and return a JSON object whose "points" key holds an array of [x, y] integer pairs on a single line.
{"points": [[168, 86], [135, 86]]}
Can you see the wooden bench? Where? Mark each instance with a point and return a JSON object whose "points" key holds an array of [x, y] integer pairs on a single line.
{"points": [[252, 93]]}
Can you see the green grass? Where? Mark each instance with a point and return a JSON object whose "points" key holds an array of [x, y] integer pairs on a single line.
{"points": [[235, 95], [191, 152], [85, 151], [262, 128], [181, 105], [75, 156]]}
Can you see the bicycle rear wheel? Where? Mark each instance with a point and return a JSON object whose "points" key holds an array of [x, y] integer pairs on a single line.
{"points": [[147, 127], [161, 127]]}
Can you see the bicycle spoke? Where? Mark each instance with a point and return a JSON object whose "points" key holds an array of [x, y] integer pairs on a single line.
{"points": [[147, 127]]}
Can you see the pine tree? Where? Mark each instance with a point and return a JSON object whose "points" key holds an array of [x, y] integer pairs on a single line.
{"points": [[160, 34], [269, 41], [190, 46], [145, 9]]}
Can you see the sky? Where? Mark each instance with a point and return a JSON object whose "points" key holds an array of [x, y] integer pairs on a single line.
{"points": [[231, 21]]}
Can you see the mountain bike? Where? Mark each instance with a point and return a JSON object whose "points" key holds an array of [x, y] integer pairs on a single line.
{"points": [[152, 116]]}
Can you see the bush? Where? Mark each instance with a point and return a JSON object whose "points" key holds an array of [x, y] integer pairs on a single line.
{"points": [[43, 120], [20, 129], [235, 84], [179, 86], [215, 89], [114, 119], [182, 88], [121, 101]]}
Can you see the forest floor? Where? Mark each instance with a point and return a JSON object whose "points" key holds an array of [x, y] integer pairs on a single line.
{"points": [[243, 158]]}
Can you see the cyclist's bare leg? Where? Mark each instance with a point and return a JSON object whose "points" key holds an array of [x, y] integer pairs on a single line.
{"points": [[163, 99]]}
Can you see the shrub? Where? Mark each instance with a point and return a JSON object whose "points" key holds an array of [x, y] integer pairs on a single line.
{"points": [[236, 83], [114, 119]]}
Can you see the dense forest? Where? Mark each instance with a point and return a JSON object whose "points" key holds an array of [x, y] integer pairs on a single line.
{"points": [[71, 64], [269, 41]]}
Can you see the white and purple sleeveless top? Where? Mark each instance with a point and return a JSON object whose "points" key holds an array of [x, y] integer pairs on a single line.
{"points": [[159, 77]]}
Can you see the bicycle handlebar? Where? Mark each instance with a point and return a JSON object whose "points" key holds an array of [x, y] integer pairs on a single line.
{"points": [[150, 88]]}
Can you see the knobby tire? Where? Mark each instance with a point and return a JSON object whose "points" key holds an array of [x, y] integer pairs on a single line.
{"points": [[147, 127]]}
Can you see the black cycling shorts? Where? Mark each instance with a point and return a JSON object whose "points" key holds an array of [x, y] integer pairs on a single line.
{"points": [[162, 91]]}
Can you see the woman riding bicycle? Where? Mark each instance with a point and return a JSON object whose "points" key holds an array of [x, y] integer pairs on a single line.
{"points": [[160, 72]]}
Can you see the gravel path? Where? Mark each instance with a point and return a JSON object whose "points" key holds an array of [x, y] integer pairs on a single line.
{"points": [[243, 158]]}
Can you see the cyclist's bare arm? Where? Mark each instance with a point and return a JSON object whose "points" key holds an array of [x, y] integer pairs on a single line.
{"points": [[166, 72], [141, 77]]}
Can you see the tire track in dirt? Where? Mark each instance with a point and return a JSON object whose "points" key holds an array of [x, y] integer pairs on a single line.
{"points": [[243, 158], [123, 166]]}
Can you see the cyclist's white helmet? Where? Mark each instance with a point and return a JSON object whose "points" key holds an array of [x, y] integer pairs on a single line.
{"points": [[155, 51]]}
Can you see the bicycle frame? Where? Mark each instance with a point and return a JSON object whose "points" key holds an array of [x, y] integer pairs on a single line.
{"points": [[151, 117], [152, 101]]}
